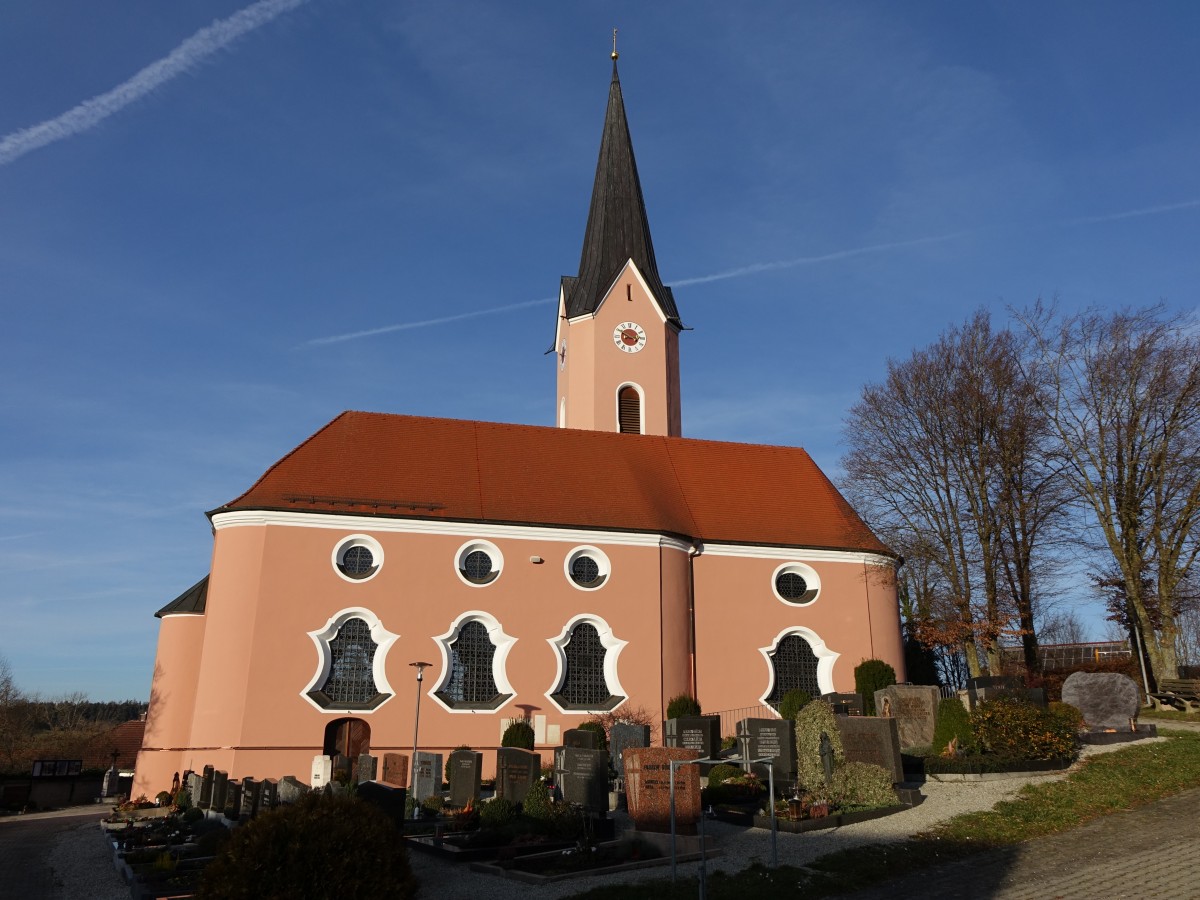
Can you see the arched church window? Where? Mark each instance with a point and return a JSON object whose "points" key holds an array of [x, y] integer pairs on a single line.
{"points": [[473, 677], [793, 665], [350, 672], [587, 661], [629, 410]]}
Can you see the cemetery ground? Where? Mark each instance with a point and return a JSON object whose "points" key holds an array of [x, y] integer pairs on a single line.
{"points": [[1051, 827]]}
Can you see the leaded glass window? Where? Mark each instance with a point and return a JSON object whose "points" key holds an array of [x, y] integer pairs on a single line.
{"points": [[351, 667], [791, 586], [585, 571], [358, 560], [471, 676], [795, 666], [477, 566], [584, 685]]}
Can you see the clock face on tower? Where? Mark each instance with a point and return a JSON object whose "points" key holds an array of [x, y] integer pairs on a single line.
{"points": [[629, 337]]}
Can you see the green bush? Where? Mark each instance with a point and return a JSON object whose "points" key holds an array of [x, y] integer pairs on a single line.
{"points": [[810, 722], [518, 734], [862, 784], [953, 722], [1067, 713], [182, 800], [433, 804], [1017, 729], [497, 812], [537, 803], [722, 772], [601, 736], [872, 675], [163, 798], [792, 702], [683, 705], [315, 848]]}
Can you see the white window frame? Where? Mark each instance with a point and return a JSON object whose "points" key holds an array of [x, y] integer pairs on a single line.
{"points": [[613, 646], [322, 637], [501, 641], [825, 660]]}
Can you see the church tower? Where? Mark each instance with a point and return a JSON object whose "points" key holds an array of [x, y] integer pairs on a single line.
{"points": [[617, 340]]}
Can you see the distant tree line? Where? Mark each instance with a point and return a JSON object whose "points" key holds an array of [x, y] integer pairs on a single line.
{"points": [[996, 456]]}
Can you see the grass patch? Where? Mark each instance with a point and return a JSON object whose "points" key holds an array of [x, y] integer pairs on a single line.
{"points": [[1167, 715], [1103, 784]]}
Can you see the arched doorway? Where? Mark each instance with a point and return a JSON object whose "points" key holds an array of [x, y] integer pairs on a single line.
{"points": [[347, 737]]}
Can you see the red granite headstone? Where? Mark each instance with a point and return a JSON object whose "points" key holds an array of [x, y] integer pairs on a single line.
{"points": [[395, 769], [647, 788]]}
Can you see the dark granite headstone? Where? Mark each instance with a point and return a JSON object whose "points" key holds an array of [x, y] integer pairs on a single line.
{"points": [[844, 704], [775, 738], [233, 801], [466, 768], [622, 736], [1106, 699], [699, 733], [269, 798], [395, 769], [982, 688], [220, 790], [251, 797], [387, 797], [204, 801], [367, 766], [868, 739], [427, 775], [291, 789], [343, 769], [582, 738], [647, 788], [914, 707], [583, 778], [516, 771]]}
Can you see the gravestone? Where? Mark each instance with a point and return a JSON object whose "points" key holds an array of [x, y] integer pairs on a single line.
{"points": [[233, 801], [427, 775], [982, 688], [343, 770], [914, 707], [220, 790], [395, 769], [251, 797], [774, 738], [206, 787], [699, 733], [868, 739], [622, 736], [844, 704], [194, 784], [1106, 699], [388, 798], [581, 738], [322, 771], [269, 797], [583, 778], [647, 788], [291, 789], [466, 769], [367, 767], [516, 771]]}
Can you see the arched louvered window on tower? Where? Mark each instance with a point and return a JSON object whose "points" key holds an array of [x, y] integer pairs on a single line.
{"points": [[793, 665], [584, 684], [629, 410]]}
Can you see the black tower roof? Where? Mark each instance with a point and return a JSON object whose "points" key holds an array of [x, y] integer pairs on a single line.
{"points": [[617, 227]]}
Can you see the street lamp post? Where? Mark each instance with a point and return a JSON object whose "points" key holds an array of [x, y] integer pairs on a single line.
{"points": [[420, 667]]}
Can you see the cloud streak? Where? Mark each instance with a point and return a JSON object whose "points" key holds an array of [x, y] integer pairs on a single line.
{"points": [[90, 113], [424, 323], [1135, 213]]}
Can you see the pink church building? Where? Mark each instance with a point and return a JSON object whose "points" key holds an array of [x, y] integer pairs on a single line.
{"points": [[544, 573]]}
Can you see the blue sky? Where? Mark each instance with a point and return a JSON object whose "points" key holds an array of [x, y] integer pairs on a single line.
{"points": [[828, 185]]}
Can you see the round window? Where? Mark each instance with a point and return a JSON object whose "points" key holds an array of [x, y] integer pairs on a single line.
{"points": [[477, 566], [791, 586], [796, 583], [358, 561], [587, 568], [358, 558], [478, 563], [585, 571]]}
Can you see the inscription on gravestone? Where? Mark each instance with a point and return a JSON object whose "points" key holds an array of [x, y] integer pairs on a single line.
{"points": [[622, 736], [516, 771], [699, 733], [251, 792], [583, 778], [647, 788], [774, 738], [844, 704], [872, 740], [466, 769], [322, 771], [269, 798], [395, 769], [427, 775], [914, 707]]}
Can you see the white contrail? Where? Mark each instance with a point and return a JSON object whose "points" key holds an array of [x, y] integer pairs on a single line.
{"points": [[808, 260], [90, 113], [1134, 213], [406, 326]]}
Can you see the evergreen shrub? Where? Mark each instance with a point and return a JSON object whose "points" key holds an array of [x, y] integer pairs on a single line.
{"points": [[1017, 729], [682, 705], [722, 772], [601, 736], [518, 734], [953, 722], [872, 675], [317, 847], [1067, 713], [497, 812], [862, 784], [793, 701], [810, 722], [538, 804]]}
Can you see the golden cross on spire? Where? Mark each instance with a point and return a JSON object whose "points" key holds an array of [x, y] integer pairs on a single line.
{"points": [[614, 53]]}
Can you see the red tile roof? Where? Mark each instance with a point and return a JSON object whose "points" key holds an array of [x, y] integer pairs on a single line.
{"points": [[455, 470]]}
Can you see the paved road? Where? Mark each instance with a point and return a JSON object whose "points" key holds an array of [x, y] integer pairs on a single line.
{"points": [[57, 856], [1148, 853]]}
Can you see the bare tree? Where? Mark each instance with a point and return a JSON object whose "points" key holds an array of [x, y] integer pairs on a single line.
{"points": [[16, 714], [1062, 628], [1123, 395]]}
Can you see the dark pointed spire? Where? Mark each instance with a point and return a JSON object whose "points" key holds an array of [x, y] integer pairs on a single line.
{"points": [[617, 228]]}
